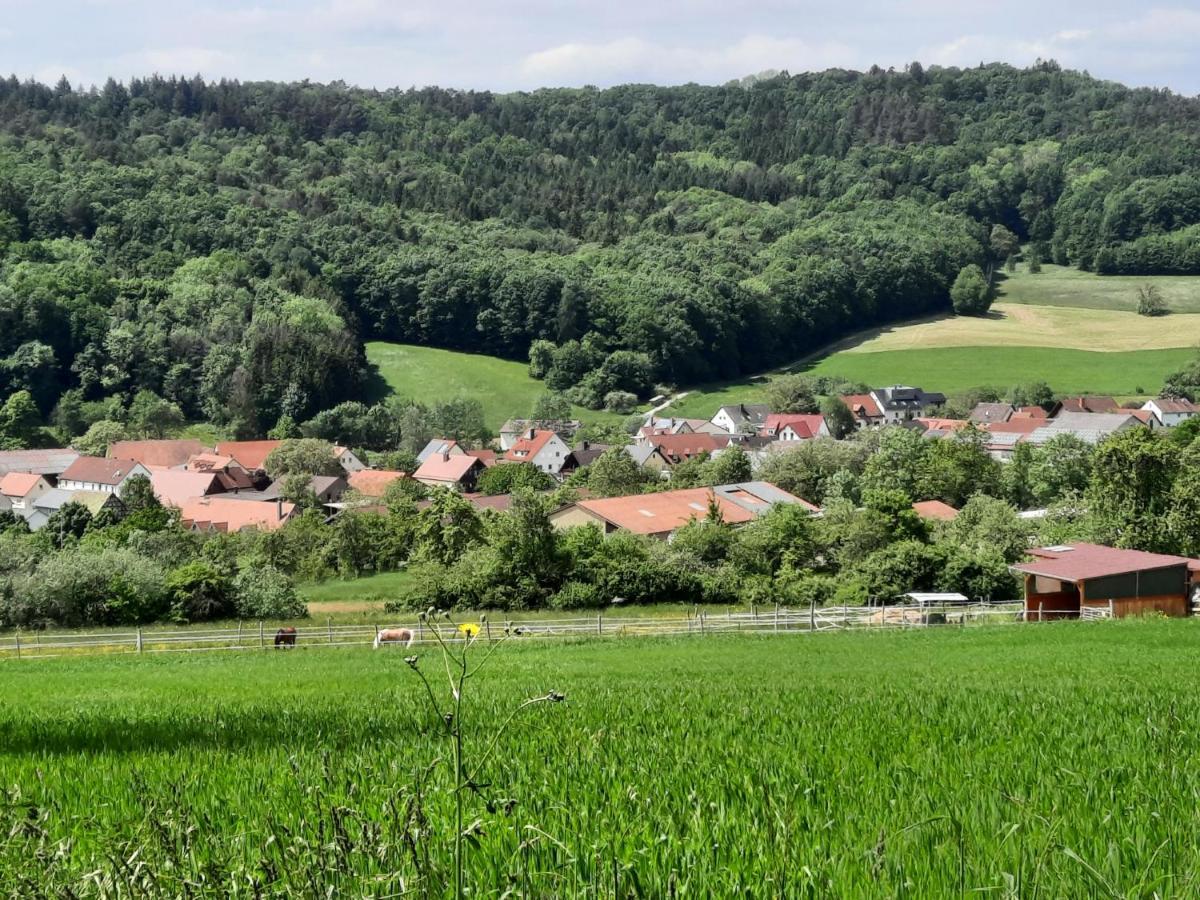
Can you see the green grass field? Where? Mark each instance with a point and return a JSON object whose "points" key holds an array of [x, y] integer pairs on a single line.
{"points": [[1066, 286], [429, 375], [1049, 761]]}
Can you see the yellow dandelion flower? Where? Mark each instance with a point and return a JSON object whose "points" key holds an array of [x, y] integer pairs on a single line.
{"points": [[468, 629]]}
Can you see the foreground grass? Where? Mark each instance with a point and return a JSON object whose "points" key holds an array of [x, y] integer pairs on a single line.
{"points": [[430, 375], [1019, 761], [1067, 286]]}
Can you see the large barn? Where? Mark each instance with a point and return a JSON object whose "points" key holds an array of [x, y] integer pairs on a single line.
{"points": [[1066, 580]]}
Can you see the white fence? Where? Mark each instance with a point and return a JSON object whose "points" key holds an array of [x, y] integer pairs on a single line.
{"points": [[260, 636]]}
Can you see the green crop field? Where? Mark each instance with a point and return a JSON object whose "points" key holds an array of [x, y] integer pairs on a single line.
{"points": [[1067, 286], [1051, 761], [430, 376]]}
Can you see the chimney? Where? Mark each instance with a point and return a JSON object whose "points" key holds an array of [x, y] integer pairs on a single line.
{"points": [[532, 433], [279, 508], [445, 456], [585, 445]]}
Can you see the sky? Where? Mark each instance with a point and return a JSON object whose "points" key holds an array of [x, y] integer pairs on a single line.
{"points": [[526, 44]]}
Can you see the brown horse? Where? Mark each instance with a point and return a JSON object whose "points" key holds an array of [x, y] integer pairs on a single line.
{"points": [[285, 638], [403, 636]]}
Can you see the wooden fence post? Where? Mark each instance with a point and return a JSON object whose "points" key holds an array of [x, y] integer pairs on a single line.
{"points": [[262, 642], [1039, 610], [777, 617], [812, 614], [420, 630], [18, 639], [702, 623], [1112, 612], [139, 639], [599, 624], [487, 624], [329, 628], [239, 632]]}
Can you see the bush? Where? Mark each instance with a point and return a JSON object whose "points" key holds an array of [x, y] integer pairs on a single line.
{"points": [[577, 595], [971, 294], [77, 587], [620, 402], [263, 592]]}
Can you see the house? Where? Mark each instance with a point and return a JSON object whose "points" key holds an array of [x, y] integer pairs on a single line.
{"points": [[439, 445], [92, 473], [1091, 428], [1003, 437], [347, 459], [50, 463], [744, 417], [232, 476], [1029, 412], [665, 451], [173, 487], [228, 514], [936, 428], [1066, 580], [543, 449], [19, 490], [372, 482], [250, 455], [328, 489], [1172, 412], [459, 472], [900, 402], [986, 413], [514, 429], [865, 410], [156, 454], [935, 510], [1146, 416], [661, 514], [582, 455], [790, 427], [1086, 404], [54, 499], [485, 456]]}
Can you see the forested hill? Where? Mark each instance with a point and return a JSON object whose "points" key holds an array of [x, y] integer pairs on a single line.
{"points": [[229, 246]]}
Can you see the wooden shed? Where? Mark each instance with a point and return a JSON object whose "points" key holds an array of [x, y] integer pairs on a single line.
{"points": [[1066, 581]]}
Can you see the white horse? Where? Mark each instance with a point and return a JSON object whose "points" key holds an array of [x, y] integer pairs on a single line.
{"points": [[403, 636]]}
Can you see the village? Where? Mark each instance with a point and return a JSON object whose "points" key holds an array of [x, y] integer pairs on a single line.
{"points": [[226, 488]]}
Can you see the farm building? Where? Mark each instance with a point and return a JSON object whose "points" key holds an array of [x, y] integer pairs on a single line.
{"points": [[1066, 580]]}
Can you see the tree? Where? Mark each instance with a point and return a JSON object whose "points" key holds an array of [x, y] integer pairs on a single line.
{"points": [[988, 525], [1035, 393], [971, 294], [264, 592], [285, 428], [69, 522], [198, 592], [551, 407], [137, 494], [153, 417], [1059, 468], [791, 394], [622, 402], [507, 478], [19, 422], [98, 436], [1003, 243], [1129, 494], [541, 358], [730, 466], [614, 473], [303, 456], [1150, 301], [838, 418]]}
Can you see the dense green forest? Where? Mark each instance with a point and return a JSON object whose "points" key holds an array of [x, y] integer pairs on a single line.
{"points": [[226, 248]]}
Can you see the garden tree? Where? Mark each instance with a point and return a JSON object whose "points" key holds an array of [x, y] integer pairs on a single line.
{"points": [[1059, 468], [1035, 393], [364, 542], [66, 524], [622, 402], [1185, 383], [730, 466], [551, 407], [459, 420], [150, 416], [1014, 477], [137, 494], [285, 428], [807, 469], [447, 527], [198, 592], [526, 542], [1128, 495], [541, 358], [956, 467], [80, 587], [706, 540], [614, 473], [264, 592], [791, 394], [1183, 518], [784, 536], [354, 424], [971, 294], [897, 509], [297, 488], [20, 422], [98, 436], [1185, 433], [507, 478], [302, 456], [898, 463], [1150, 301], [846, 534], [987, 525], [403, 493], [838, 418], [1002, 242]]}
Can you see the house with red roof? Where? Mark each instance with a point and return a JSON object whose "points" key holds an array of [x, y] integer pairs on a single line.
{"points": [[229, 515], [156, 454], [1094, 403], [935, 510], [108, 476], [1172, 412], [541, 448], [372, 482], [250, 455], [233, 477], [19, 490], [790, 427], [1068, 580], [456, 471], [174, 487], [865, 410], [663, 452]]}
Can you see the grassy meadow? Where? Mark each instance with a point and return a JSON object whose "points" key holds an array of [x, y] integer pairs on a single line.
{"points": [[1070, 287], [1046, 760], [431, 375]]}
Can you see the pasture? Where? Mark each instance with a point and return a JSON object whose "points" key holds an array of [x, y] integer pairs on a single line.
{"points": [[1070, 287], [432, 376], [1047, 760]]}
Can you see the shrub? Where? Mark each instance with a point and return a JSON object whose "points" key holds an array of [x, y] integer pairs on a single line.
{"points": [[620, 402], [263, 592], [971, 294], [577, 595], [78, 587]]}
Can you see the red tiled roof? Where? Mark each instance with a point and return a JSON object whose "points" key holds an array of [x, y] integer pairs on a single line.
{"points": [[806, 425], [943, 424], [227, 514], [679, 447], [862, 405], [452, 468], [159, 454], [664, 511], [94, 470], [1171, 405], [487, 457], [1145, 416], [527, 447], [1081, 562], [248, 454], [210, 462], [1015, 425], [18, 484], [935, 509], [1030, 412], [372, 482], [1095, 403], [174, 487]]}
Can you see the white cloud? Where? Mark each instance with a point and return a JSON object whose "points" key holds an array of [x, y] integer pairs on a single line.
{"points": [[577, 63]]}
